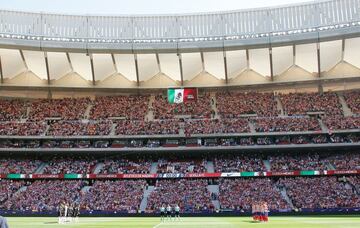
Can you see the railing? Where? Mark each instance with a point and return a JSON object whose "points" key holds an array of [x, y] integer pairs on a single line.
{"points": [[218, 26]]}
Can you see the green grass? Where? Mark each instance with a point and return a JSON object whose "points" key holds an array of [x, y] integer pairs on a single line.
{"points": [[189, 222]]}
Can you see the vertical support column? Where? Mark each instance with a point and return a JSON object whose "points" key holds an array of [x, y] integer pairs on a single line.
{"points": [[69, 61], [225, 67], [23, 59], [271, 64], [202, 61], [1, 72], [342, 50], [114, 62], [47, 67], [247, 59], [136, 70], [181, 69], [158, 62], [294, 54], [92, 68], [318, 58]]}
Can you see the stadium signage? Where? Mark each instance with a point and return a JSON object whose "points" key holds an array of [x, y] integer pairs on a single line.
{"points": [[44, 176], [178, 175], [149, 176]]}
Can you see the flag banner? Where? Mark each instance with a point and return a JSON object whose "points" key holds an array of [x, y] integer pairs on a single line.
{"points": [[16, 176], [179, 95], [72, 176], [3, 176]]}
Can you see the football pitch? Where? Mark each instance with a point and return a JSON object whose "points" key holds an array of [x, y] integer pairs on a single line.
{"points": [[191, 222]]}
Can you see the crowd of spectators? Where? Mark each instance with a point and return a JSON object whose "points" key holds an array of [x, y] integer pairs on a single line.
{"points": [[352, 99], [198, 109], [287, 124], [234, 105], [66, 165], [22, 129], [74, 128], [138, 166], [345, 161], [241, 194], [181, 166], [24, 166], [158, 127], [45, 195], [11, 110], [7, 189], [296, 162], [342, 123], [216, 126], [240, 163], [319, 192], [206, 126], [127, 107], [191, 195], [66, 108], [295, 104], [123, 196]]}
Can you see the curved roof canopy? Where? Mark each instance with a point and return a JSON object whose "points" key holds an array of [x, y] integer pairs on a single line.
{"points": [[291, 23]]}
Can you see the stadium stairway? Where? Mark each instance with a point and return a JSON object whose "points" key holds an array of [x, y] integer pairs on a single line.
{"points": [[267, 165], [113, 129], [85, 189], [279, 106], [214, 106], [153, 168], [252, 127], [347, 111], [150, 114], [285, 195], [46, 130], [40, 169], [147, 192], [22, 189], [98, 168], [214, 189], [87, 111], [324, 128], [210, 167], [355, 187]]}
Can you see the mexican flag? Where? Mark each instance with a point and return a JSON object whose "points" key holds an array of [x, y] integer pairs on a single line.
{"points": [[178, 96]]}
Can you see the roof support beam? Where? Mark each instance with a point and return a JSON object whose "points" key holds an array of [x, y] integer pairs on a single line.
{"points": [[202, 61], [318, 59], [181, 69], [271, 64], [114, 62], [158, 62], [294, 54], [247, 59], [342, 49], [92, 69], [137, 70], [23, 59], [69, 61], [47, 67], [225, 67], [1, 72]]}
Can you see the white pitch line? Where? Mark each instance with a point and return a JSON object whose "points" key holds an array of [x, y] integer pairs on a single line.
{"points": [[158, 225]]}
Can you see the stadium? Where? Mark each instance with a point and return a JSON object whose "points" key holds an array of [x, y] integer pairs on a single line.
{"points": [[117, 117]]}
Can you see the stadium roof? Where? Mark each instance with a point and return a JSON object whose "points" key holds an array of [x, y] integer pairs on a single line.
{"points": [[229, 29]]}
